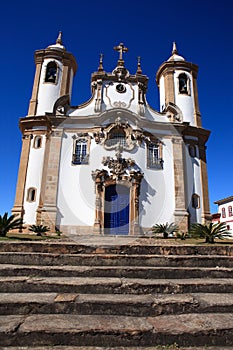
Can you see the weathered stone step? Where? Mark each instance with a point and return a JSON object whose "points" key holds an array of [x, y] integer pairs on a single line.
{"points": [[113, 304], [113, 285], [115, 271], [111, 245], [171, 347], [118, 331], [43, 259]]}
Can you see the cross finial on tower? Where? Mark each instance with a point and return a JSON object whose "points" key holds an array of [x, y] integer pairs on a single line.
{"points": [[59, 39], [120, 48], [174, 49]]}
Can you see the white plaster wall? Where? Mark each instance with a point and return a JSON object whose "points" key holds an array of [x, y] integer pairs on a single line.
{"points": [[193, 184], [34, 175], [162, 93], [76, 189], [183, 101], [48, 93], [157, 191]]}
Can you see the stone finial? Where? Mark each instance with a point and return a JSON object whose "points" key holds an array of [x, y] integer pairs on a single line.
{"points": [[59, 39], [174, 49], [100, 68], [139, 69]]}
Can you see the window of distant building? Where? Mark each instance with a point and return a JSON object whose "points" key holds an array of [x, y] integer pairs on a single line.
{"points": [[223, 212], [51, 72], [230, 210]]}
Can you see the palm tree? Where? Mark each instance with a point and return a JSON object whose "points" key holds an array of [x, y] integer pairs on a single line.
{"points": [[9, 223], [39, 229], [210, 231], [165, 229]]}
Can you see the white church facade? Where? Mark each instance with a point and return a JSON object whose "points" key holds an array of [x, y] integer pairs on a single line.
{"points": [[112, 165]]}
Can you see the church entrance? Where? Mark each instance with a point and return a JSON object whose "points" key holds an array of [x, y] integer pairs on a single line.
{"points": [[116, 210]]}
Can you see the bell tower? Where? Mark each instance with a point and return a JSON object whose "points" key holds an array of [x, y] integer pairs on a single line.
{"points": [[177, 82], [55, 69]]}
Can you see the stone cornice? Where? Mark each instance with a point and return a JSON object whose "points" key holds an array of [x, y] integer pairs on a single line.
{"points": [[65, 57], [171, 66], [28, 123]]}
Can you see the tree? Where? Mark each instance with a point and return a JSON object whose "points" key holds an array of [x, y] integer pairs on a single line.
{"points": [[9, 223], [165, 229], [210, 231], [39, 229]]}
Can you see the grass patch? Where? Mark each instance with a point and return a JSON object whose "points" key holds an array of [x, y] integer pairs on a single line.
{"points": [[28, 237]]}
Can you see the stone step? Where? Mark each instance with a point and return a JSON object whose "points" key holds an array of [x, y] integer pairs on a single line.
{"points": [[115, 271], [113, 304], [115, 245], [113, 285], [117, 331], [158, 347], [171, 347], [42, 259]]}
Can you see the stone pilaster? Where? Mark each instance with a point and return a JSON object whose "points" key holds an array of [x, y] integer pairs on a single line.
{"points": [[33, 102], [18, 208], [180, 213], [50, 178], [206, 216], [169, 87]]}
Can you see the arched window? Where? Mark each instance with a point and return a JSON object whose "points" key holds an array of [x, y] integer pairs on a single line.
{"points": [[80, 155], [230, 210], [195, 201], [31, 194], [192, 151], [37, 142], [183, 84], [116, 136], [51, 72], [154, 155], [223, 212]]}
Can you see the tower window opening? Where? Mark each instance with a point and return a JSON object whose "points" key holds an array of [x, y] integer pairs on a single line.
{"points": [[192, 151], [80, 152], [51, 72], [31, 194], [183, 84], [195, 201], [37, 142], [116, 136]]}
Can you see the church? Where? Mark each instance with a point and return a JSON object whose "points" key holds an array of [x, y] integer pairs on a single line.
{"points": [[112, 165]]}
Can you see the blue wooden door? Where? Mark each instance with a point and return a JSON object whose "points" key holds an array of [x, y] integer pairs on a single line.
{"points": [[116, 212]]}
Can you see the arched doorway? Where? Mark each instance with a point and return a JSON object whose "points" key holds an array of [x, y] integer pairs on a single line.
{"points": [[116, 210]]}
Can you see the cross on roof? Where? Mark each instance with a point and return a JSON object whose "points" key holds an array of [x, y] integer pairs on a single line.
{"points": [[120, 48]]}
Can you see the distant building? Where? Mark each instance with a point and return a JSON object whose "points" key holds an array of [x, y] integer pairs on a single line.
{"points": [[225, 213], [112, 165]]}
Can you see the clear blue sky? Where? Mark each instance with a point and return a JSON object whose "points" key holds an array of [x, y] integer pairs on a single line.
{"points": [[203, 31]]}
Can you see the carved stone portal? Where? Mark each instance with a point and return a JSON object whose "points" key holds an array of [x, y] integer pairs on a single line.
{"points": [[122, 172]]}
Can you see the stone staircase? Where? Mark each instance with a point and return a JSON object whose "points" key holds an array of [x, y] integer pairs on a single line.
{"points": [[108, 293]]}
